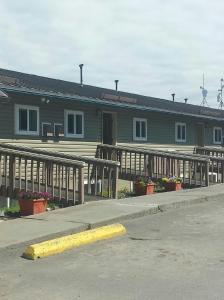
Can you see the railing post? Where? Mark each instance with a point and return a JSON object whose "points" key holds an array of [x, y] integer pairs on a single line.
{"points": [[207, 173], [115, 182], [222, 172], [81, 185], [11, 175], [150, 166]]}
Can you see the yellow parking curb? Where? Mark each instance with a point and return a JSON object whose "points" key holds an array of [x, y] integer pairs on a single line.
{"points": [[61, 244]]}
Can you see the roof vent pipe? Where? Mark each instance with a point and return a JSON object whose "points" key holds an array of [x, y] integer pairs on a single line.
{"points": [[116, 83], [81, 79], [185, 100], [173, 95]]}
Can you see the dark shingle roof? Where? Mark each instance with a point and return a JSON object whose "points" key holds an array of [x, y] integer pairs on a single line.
{"points": [[39, 83]]}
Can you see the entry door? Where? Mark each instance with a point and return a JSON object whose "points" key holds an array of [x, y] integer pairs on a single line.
{"points": [[107, 128], [200, 138]]}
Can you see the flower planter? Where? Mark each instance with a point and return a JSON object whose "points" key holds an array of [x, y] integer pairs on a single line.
{"points": [[32, 206], [173, 186], [144, 189]]}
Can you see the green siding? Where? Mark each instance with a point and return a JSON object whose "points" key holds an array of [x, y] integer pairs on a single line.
{"points": [[161, 127], [52, 113]]}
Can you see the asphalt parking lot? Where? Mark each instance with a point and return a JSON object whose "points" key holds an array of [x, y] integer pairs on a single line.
{"points": [[177, 254]]}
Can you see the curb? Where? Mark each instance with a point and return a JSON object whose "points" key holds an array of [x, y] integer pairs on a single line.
{"points": [[59, 245]]}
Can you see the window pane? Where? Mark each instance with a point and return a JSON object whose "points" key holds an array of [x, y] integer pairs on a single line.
{"points": [[22, 119], [179, 132], [137, 129], [183, 133], [32, 120], [78, 124], [143, 129], [71, 129], [218, 136]]}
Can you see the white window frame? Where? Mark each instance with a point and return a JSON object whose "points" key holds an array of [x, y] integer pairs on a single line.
{"points": [[214, 141], [42, 127], [26, 132], [73, 112], [176, 132], [57, 124], [135, 138]]}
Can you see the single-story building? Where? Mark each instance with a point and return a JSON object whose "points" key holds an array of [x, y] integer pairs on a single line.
{"points": [[70, 117]]}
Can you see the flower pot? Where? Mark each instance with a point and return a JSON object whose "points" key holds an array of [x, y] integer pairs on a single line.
{"points": [[31, 207], [173, 186], [144, 189]]}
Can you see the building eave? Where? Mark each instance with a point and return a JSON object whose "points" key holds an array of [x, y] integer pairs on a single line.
{"points": [[68, 97]]}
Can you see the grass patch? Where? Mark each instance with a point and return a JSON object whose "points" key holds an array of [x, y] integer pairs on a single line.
{"points": [[125, 193], [13, 211]]}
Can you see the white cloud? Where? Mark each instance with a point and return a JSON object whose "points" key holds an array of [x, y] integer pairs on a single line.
{"points": [[153, 47]]}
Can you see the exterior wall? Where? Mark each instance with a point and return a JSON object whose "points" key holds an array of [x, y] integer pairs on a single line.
{"points": [[160, 130], [53, 113]]}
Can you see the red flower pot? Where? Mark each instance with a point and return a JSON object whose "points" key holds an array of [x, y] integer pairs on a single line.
{"points": [[144, 189], [31, 207], [173, 186]]}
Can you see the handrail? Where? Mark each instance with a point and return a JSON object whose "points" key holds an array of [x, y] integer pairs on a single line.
{"points": [[209, 151], [155, 152], [67, 162], [60, 154], [20, 170], [101, 174], [193, 169]]}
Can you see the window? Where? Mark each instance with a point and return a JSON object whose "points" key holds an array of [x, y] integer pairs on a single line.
{"points": [[217, 135], [139, 129], [180, 132], [74, 123], [26, 120]]}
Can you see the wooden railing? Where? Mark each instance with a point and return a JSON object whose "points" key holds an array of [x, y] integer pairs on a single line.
{"points": [[218, 152], [216, 166], [193, 169], [22, 171], [100, 175]]}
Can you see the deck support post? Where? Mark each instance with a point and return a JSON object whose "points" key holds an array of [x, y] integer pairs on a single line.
{"points": [[207, 173], [115, 183], [11, 175], [81, 186]]}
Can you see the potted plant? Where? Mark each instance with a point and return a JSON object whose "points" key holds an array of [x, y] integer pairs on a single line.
{"points": [[31, 203], [144, 186], [172, 183]]}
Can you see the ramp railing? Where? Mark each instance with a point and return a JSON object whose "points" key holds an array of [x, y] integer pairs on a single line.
{"points": [[135, 162], [209, 151], [100, 175], [22, 171]]}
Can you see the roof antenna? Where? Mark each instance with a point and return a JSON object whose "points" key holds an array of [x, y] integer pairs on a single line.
{"points": [[116, 83], [204, 93], [173, 96], [219, 97], [81, 79]]}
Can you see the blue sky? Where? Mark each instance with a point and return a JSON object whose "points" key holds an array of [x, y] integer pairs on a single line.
{"points": [[153, 47]]}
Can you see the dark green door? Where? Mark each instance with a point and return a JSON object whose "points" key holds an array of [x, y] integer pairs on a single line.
{"points": [[107, 128]]}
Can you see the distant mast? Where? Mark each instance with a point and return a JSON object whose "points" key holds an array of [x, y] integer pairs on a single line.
{"points": [[219, 97], [204, 93]]}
